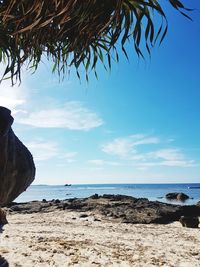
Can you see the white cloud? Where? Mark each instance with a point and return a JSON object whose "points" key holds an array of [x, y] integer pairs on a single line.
{"points": [[73, 116], [124, 146], [146, 141], [45, 150], [170, 163], [171, 157], [128, 149], [101, 162], [42, 150], [68, 157], [179, 163], [167, 154], [119, 147], [12, 97]]}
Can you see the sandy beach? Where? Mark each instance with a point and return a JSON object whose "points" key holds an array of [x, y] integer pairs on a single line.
{"points": [[70, 238]]}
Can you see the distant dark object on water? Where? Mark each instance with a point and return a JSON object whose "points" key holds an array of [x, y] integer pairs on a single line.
{"points": [[190, 222], [194, 187], [67, 184], [177, 196]]}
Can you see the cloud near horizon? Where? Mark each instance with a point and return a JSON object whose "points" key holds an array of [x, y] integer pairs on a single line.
{"points": [[128, 150]]}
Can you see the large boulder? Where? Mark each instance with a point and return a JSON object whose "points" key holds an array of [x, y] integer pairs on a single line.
{"points": [[17, 169], [177, 196]]}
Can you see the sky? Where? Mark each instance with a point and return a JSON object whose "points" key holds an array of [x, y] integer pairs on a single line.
{"points": [[139, 123]]}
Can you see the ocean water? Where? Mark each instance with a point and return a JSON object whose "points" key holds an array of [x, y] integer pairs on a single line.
{"points": [[150, 191]]}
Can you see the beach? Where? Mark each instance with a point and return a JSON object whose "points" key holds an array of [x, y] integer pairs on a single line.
{"points": [[48, 235], [63, 238]]}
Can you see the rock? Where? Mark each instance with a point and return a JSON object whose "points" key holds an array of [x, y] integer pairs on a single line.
{"points": [[117, 197], [177, 196], [190, 222], [3, 262], [84, 215], [95, 196], [182, 197], [97, 220], [16, 162], [3, 219], [115, 207], [198, 203]]}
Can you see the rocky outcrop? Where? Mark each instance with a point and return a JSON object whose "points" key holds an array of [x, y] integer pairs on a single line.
{"points": [[17, 169], [177, 196], [113, 207]]}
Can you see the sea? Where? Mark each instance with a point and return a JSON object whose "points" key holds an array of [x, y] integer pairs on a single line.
{"points": [[154, 192]]}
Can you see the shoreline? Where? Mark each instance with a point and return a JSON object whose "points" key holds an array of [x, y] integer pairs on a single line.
{"points": [[153, 192]]}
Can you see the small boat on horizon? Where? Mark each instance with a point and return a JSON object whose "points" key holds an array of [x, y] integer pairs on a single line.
{"points": [[67, 184]]}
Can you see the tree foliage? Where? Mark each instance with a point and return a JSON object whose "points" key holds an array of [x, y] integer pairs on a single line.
{"points": [[77, 32]]}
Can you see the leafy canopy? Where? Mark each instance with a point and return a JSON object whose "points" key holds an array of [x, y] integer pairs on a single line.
{"points": [[77, 32]]}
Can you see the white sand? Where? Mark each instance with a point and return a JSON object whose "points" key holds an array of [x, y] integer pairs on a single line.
{"points": [[57, 239]]}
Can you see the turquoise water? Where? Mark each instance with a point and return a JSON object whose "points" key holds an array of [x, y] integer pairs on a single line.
{"points": [[150, 191]]}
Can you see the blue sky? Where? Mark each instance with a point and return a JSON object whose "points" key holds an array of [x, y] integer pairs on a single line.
{"points": [[138, 124]]}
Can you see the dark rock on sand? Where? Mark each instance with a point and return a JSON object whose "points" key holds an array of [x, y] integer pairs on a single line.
{"points": [[177, 196], [3, 219], [30, 207], [115, 207], [198, 203], [84, 215], [57, 201], [3, 262], [95, 196], [16, 162], [190, 222]]}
